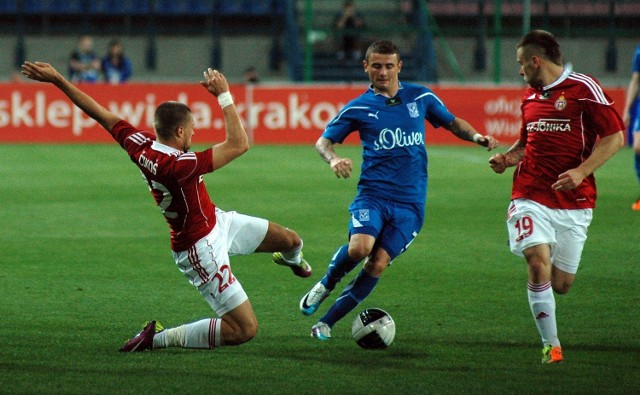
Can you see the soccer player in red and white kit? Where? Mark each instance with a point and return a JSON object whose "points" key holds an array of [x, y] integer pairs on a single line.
{"points": [[202, 236], [569, 129]]}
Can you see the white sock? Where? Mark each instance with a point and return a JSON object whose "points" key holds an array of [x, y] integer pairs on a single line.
{"points": [[293, 256], [205, 333], [543, 308]]}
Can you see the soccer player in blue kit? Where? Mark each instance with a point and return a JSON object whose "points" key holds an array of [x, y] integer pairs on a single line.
{"points": [[631, 115], [388, 211]]}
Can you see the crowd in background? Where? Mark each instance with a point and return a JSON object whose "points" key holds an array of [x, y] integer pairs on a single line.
{"points": [[87, 67]]}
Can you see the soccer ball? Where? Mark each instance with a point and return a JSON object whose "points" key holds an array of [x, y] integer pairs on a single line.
{"points": [[373, 328]]}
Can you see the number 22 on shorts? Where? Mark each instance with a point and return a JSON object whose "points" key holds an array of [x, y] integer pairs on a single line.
{"points": [[524, 226]]}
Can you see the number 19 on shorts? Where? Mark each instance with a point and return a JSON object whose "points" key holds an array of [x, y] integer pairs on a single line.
{"points": [[524, 227]]}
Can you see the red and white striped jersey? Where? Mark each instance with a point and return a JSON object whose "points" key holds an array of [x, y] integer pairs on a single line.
{"points": [[561, 123], [175, 180]]}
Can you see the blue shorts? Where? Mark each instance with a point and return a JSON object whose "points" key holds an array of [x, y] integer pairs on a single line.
{"points": [[394, 225]]}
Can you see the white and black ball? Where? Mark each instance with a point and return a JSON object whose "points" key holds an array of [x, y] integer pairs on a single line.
{"points": [[373, 328]]}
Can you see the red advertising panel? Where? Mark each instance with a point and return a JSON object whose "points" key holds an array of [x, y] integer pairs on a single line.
{"points": [[295, 113], [41, 113], [284, 114]]}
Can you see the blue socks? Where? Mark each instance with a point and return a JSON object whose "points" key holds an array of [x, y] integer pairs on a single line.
{"points": [[638, 166], [340, 265], [353, 294]]}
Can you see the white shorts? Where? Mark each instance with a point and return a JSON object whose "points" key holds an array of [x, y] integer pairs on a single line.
{"points": [[565, 231], [207, 266]]}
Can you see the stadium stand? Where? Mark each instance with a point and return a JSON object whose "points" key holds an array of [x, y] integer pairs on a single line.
{"points": [[140, 7], [453, 22]]}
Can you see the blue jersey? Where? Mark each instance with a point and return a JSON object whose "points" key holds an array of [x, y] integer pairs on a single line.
{"points": [[90, 75], [392, 132], [634, 109], [635, 66]]}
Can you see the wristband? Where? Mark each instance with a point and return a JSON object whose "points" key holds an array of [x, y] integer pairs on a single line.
{"points": [[476, 137], [225, 99]]}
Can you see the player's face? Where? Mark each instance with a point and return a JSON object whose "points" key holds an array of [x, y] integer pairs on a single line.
{"points": [[529, 69], [383, 72]]}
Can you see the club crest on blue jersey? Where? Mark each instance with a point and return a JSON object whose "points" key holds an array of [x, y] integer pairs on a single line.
{"points": [[363, 215], [413, 110]]}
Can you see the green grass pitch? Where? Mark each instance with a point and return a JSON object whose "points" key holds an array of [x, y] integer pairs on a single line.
{"points": [[85, 260]]}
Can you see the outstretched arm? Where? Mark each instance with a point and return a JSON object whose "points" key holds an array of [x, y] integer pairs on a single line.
{"points": [[341, 166], [44, 72], [236, 142], [464, 131], [632, 93]]}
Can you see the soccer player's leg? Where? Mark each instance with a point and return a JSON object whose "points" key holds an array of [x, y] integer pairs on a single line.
{"points": [[366, 223], [234, 328], [358, 289], [402, 225], [364, 227], [636, 151], [237, 325], [144, 339], [208, 267], [571, 236], [531, 235], [247, 234], [540, 293], [286, 246], [342, 262]]}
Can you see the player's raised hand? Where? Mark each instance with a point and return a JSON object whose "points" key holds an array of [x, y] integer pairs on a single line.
{"points": [[40, 71], [342, 167], [215, 82]]}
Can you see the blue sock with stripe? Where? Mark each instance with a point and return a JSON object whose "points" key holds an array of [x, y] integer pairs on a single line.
{"points": [[353, 294], [637, 157], [340, 265]]}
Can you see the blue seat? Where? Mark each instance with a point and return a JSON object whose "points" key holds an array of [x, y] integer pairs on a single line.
{"points": [[118, 7], [169, 7], [109, 7], [264, 7], [138, 7], [199, 7], [8, 7], [34, 6], [257, 7], [65, 7], [231, 7]]}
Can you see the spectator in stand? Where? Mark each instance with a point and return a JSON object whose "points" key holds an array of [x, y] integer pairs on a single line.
{"points": [[84, 65], [348, 25], [116, 67], [409, 11], [250, 75]]}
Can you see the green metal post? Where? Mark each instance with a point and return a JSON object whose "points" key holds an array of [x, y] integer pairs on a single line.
{"points": [[526, 17], [308, 46], [497, 41]]}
